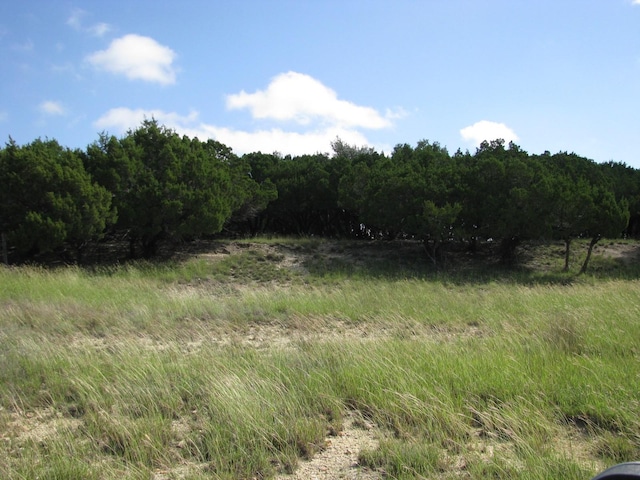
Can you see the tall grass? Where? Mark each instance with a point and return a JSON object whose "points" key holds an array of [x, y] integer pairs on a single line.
{"points": [[145, 370]]}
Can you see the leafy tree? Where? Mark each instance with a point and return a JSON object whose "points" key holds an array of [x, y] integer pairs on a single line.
{"points": [[412, 193], [47, 198], [586, 204], [109, 164], [437, 226], [307, 202], [356, 185], [380, 193], [606, 217], [262, 170], [625, 181], [573, 179], [572, 216], [354, 153], [251, 196], [437, 220], [507, 197], [164, 186]]}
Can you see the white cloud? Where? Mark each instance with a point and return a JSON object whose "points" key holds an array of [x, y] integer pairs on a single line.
{"points": [[120, 120], [278, 140], [137, 58], [486, 130], [318, 114], [4, 116], [636, 2], [49, 107], [300, 98]]}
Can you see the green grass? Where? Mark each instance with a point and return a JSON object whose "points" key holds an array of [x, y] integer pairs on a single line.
{"points": [[239, 367]]}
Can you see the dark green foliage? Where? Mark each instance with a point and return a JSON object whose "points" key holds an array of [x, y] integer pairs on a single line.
{"points": [[411, 193], [250, 196], [605, 217], [182, 187], [501, 194], [150, 186], [47, 198], [156, 187], [165, 187], [625, 182], [508, 196], [585, 203], [307, 194]]}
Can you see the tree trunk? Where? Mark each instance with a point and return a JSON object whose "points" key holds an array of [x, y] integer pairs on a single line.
{"points": [[5, 255], [132, 248], [431, 248], [80, 253], [567, 253], [508, 247], [592, 244]]}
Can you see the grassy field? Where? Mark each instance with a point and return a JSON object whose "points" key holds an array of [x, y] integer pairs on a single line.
{"points": [[242, 358]]}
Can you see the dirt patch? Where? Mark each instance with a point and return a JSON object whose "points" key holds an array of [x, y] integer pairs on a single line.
{"points": [[625, 252], [36, 426], [339, 459], [279, 336]]}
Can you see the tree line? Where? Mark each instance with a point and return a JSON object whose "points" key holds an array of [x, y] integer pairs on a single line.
{"points": [[153, 186]]}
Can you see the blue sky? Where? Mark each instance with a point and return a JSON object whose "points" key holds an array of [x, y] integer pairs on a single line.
{"points": [[292, 75]]}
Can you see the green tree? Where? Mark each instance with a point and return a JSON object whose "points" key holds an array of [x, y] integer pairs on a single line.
{"points": [[507, 196], [355, 184], [605, 217], [625, 181], [412, 193], [47, 198], [585, 202], [165, 187], [437, 223], [251, 196], [307, 193], [381, 193], [573, 179]]}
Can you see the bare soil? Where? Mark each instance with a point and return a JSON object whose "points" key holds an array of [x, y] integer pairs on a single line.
{"points": [[339, 459]]}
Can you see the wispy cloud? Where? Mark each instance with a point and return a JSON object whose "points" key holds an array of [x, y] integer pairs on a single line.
{"points": [[99, 29], [487, 130], [27, 46], [76, 21], [50, 107], [137, 58]]}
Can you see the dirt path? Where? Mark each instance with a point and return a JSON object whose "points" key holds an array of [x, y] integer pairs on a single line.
{"points": [[339, 460]]}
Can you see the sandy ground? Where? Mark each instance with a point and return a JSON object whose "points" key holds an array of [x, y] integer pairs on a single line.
{"points": [[339, 460]]}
